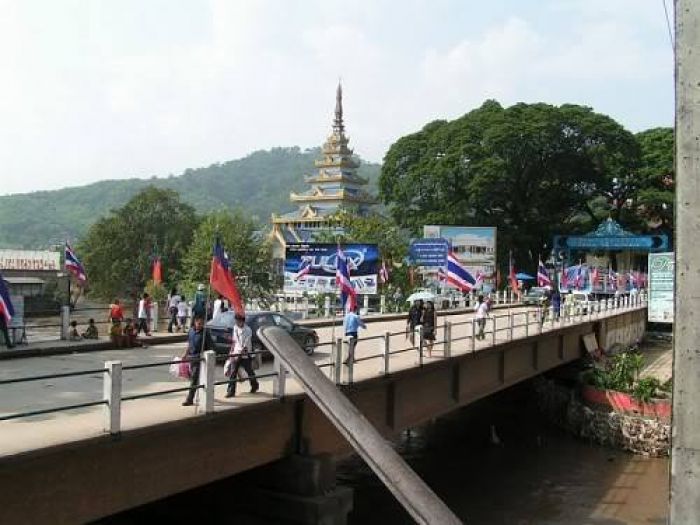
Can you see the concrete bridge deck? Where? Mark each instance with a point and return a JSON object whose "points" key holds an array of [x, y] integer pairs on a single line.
{"points": [[164, 448]]}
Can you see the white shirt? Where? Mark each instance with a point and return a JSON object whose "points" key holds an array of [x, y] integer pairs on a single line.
{"points": [[217, 308], [242, 340], [481, 310], [142, 309], [174, 301], [182, 309]]}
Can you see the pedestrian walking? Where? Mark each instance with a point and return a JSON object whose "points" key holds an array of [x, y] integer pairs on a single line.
{"points": [[482, 312], [144, 315], [173, 301], [241, 348], [351, 324], [116, 312], [428, 322], [181, 314], [556, 304], [198, 341], [415, 315], [199, 307]]}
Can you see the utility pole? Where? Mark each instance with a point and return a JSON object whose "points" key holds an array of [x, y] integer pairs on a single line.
{"points": [[685, 441]]}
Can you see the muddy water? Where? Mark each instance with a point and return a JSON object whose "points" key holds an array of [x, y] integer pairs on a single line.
{"points": [[536, 474]]}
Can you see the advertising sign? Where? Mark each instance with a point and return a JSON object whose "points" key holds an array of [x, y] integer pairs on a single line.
{"points": [[428, 252], [311, 267], [30, 260], [661, 286], [474, 246]]}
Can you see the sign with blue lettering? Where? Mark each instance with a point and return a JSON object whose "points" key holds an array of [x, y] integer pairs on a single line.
{"points": [[428, 252], [311, 267]]}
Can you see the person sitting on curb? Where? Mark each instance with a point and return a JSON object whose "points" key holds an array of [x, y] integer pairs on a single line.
{"points": [[91, 331], [73, 334]]}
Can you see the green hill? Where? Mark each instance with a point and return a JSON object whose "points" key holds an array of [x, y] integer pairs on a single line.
{"points": [[259, 184]]}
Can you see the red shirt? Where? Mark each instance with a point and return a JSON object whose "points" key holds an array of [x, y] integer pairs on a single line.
{"points": [[116, 313]]}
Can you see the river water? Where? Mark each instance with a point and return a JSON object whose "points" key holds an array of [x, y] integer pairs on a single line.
{"points": [[535, 474]]}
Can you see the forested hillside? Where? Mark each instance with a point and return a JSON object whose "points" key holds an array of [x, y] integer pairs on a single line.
{"points": [[258, 184]]}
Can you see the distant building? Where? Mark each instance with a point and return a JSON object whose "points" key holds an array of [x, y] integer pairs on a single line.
{"points": [[336, 186]]}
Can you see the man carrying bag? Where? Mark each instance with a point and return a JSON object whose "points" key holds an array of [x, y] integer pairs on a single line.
{"points": [[239, 356]]}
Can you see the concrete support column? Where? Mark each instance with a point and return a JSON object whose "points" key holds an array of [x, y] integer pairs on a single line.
{"points": [[365, 303], [154, 317], [305, 311], [382, 303], [65, 322], [685, 432], [112, 395], [327, 307], [297, 489], [279, 382]]}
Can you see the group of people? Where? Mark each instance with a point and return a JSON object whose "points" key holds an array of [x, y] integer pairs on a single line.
{"points": [[240, 355], [422, 314], [89, 333]]}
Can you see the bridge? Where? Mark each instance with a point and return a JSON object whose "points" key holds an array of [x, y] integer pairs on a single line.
{"points": [[129, 447]]}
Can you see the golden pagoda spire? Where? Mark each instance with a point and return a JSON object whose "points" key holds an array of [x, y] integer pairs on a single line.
{"points": [[338, 126]]}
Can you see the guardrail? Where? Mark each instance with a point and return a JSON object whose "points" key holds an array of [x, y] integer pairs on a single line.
{"points": [[534, 321]]}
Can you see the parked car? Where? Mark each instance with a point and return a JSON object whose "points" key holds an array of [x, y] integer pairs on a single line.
{"points": [[221, 328], [580, 302], [535, 296]]}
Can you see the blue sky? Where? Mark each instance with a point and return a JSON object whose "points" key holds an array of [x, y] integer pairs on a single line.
{"points": [[99, 89]]}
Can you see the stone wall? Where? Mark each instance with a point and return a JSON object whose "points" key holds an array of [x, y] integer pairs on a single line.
{"points": [[639, 435]]}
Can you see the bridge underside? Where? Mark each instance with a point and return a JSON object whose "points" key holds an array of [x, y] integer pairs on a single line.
{"points": [[90, 479]]}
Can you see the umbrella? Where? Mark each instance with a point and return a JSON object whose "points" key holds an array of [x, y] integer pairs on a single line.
{"points": [[524, 277], [423, 294]]}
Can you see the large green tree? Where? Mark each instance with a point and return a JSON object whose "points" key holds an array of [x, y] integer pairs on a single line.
{"points": [[248, 251], [527, 169], [118, 249], [656, 186]]}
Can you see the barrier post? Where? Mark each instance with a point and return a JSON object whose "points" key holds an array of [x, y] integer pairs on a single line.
{"points": [[387, 351], [338, 360], [206, 379], [493, 334], [154, 317], [279, 382], [351, 362], [473, 335], [419, 329], [382, 303], [527, 323], [65, 322], [510, 326], [447, 345], [112, 395]]}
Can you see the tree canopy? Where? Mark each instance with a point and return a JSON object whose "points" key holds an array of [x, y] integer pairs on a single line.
{"points": [[529, 170], [118, 249]]}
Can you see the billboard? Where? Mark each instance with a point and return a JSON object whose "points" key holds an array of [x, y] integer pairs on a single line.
{"points": [[661, 286], [428, 252], [30, 260], [310, 267], [474, 246]]}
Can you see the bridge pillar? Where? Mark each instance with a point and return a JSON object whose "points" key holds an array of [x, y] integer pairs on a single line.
{"points": [[299, 490]]}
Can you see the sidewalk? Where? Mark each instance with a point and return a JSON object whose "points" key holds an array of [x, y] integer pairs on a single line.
{"points": [[58, 347]]}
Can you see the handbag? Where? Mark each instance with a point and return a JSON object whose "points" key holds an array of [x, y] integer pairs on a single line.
{"points": [[180, 369]]}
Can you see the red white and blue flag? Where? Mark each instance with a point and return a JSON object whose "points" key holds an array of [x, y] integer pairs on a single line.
{"points": [[304, 269], [384, 273], [457, 275], [348, 295], [542, 275], [6, 308], [223, 281], [479, 279], [74, 265]]}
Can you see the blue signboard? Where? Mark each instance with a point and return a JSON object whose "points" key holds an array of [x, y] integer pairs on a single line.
{"points": [[428, 252], [311, 267]]}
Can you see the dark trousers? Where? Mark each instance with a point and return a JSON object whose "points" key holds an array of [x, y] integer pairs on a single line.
{"points": [[352, 343], [247, 365], [194, 381], [173, 319], [142, 325], [3, 329]]}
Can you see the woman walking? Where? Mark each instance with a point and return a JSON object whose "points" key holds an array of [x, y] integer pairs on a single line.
{"points": [[428, 321]]}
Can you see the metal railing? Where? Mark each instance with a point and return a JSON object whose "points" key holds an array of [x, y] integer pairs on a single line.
{"points": [[340, 367]]}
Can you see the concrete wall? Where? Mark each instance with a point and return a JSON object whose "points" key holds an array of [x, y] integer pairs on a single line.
{"points": [[84, 481]]}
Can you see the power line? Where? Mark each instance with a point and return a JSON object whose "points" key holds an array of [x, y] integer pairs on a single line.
{"points": [[668, 25]]}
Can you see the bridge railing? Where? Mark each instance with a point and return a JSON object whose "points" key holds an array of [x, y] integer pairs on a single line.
{"points": [[499, 328]]}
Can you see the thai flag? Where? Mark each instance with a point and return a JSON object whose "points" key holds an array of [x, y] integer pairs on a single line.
{"points": [[457, 275], [571, 276], [479, 279], [6, 308], [384, 273], [222, 280], [542, 275], [348, 295], [304, 269], [73, 264]]}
